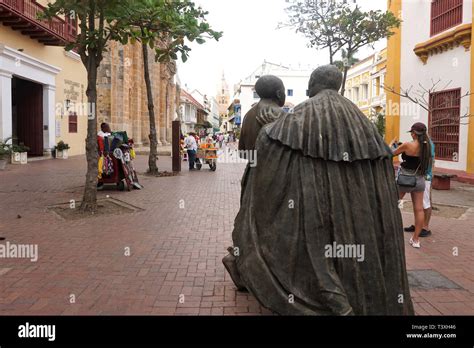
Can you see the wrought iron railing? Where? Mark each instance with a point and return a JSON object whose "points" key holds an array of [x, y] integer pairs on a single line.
{"points": [[31, 10]]}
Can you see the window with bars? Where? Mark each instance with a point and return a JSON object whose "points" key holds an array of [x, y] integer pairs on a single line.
{"points": [[445, 14], [72, 122], [444, 122]]}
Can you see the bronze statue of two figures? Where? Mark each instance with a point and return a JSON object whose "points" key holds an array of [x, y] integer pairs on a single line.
{"points": [[319, 231]]}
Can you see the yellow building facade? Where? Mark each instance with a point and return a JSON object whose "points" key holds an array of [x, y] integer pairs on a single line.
{"points": [[42, 87], [364, 84]]}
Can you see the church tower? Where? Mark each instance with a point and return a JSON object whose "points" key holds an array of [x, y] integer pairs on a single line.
{"points": [[223, 96]]}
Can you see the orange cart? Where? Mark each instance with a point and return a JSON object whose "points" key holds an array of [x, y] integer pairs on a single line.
{"points": [[207, 154]]}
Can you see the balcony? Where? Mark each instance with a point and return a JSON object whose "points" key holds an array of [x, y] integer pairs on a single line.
{"points": [[22, 15]]}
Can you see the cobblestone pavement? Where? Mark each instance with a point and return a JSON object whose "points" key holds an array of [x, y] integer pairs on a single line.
{"points": [[176, 244]]}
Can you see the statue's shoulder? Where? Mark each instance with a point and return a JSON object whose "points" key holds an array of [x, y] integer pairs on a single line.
{"points": [[330, 127], [269, 113]]}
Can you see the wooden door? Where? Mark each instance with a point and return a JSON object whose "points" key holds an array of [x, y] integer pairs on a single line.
{"points": [[28, 97]]}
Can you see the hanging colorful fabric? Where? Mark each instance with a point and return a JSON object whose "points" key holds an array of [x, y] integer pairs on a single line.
{"points": [[101, 166], [108, 166]]}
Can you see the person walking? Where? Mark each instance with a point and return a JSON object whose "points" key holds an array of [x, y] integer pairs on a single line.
{"points": [[221, 140], [191, 147], [427, 197], [416, 156]]}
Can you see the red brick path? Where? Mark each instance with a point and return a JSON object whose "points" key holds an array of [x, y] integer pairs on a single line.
{"points": [[175, 263]]}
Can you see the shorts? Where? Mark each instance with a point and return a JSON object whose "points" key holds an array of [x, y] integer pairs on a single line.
{"points": [[427, 195], [420, 184]]}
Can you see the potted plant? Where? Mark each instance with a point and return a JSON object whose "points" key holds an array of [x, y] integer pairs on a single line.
{"points": [[61, 150], [19, 154], [4, 153]]}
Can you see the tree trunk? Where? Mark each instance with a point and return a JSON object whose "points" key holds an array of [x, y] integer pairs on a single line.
{"points": [[152, 167], [89, 200], [344, 78]]}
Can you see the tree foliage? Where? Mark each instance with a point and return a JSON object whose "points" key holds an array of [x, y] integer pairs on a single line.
{"points": [[173, 22], [339, 24], [345, 61]]}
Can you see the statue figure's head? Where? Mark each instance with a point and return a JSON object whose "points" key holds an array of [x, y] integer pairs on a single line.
{"points": [[271, 87], [324, 77]]}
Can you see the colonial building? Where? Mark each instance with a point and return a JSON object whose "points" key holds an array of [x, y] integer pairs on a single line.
{"points": [[432, 51], [295, 79], [211, 106], [364, 84], [122, 96], [194, 114], [42, 87]]}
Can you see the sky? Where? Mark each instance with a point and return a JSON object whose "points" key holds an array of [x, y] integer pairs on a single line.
{"points": [[250, 36]]}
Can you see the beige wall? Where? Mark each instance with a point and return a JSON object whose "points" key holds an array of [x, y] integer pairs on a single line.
{"points": [[71, 82]]}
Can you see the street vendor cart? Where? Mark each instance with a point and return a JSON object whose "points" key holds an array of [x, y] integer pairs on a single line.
{"points": [[115, 165], [206, 154]]}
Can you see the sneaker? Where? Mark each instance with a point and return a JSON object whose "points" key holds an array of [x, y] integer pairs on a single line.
{"points": [[414, 244], [425, 233], [409, 229]]}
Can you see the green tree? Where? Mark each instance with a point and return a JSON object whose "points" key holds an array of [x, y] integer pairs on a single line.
{"points": [[163, 26], [342, 26], [378, 118], [345, 61], [97, 23]]}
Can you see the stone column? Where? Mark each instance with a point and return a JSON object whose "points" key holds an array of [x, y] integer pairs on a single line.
{"points": [[49, 118], [6, 129]]}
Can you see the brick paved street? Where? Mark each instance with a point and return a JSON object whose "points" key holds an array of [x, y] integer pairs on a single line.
{"points": [[175, 263]]}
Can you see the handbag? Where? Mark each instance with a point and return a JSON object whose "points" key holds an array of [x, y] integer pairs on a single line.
{"points": [[407, 180]]}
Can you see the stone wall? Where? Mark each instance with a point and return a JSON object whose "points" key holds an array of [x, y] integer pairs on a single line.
{"points": [[122, 98]]}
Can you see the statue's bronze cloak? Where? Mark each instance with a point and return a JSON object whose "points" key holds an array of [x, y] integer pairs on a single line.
{"points": [[324, 175]]}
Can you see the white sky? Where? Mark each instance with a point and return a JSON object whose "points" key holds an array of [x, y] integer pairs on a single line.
{"points": [[250, 35]]}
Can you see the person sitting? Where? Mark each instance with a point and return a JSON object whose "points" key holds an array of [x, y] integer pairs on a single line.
{"points": [[105, 130]]}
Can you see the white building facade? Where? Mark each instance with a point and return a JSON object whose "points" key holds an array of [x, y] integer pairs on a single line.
{"points": [[189, 107], [210, 105], [434, 52], [295, 80]]}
